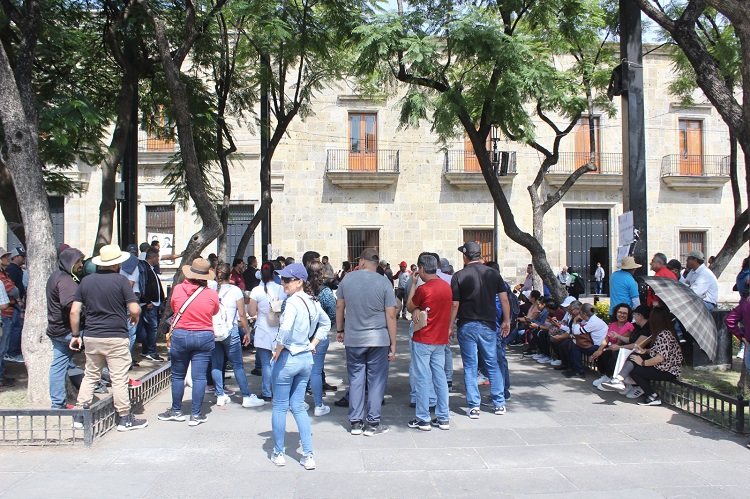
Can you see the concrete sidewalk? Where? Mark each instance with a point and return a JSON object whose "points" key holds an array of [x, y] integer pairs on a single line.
{"points": [[559, 436]]}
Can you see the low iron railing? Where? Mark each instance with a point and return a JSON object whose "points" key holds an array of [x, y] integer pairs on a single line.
{"points": [[466, 161], [679, 165], [379, 161], [609, 163], [40, 427]]}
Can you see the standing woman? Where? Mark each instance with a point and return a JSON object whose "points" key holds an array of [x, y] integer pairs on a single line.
{"points": [[323, 295], [260, 305], [233, 300], [303, 326], [192, 338]]}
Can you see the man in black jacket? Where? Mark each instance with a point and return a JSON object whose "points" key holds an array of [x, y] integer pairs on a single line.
{"points": [[61, 288]]}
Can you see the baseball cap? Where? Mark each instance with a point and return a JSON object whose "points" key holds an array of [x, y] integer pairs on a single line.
{"points": [[17, 251], [132, 249], [293, 271], [369, 254], [696, 254], [567, 301], [470, 249], [643, 310], [402, 264]]}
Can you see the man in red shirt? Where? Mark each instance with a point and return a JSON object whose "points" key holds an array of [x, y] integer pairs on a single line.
{"points": [[659, 266], [430, 306]]}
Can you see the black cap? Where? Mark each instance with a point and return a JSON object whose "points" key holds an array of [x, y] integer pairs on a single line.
{"points": [[471, 249], [674, 265], [643, 310]]}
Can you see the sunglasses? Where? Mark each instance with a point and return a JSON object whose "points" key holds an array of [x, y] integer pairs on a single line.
{"points": [[287, 280]]}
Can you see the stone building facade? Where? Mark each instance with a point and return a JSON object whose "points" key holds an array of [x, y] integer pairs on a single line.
{"points": [[348, 177]]}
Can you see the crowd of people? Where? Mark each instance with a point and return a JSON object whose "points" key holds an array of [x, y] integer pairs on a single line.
{"points": [[285, 310]]}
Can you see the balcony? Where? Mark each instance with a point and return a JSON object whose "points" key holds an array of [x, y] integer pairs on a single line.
{"points": [[463, 171], [608, 174], [357, 170], [154, 152], [694, 172]]}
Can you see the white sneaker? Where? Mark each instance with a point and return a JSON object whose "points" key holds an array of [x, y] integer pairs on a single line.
{"points": [[556, 362], [544, 359], [635, 393], [307, 461], [223, 399], [615, 384], [537, 356], [628, 388], [252, 401], [603, 388], [278, 458], [598, 381], [322, 410], [741, 353]]}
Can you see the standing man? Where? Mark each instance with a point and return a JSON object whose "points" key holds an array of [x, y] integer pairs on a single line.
{"points": [[599, 278], [249, 274], [474, 289], [564, 278], [701, 280], [433, 299], [15, 271], [369, 305], [151, 297], [622, 285], [402, 276], [237, 276], [329, 276], [61, 289], [12, 294], [106, 294]]}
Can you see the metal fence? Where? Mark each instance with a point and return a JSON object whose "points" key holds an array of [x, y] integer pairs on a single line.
{"points": [[466, 161], [48, 427], [606, 163]]}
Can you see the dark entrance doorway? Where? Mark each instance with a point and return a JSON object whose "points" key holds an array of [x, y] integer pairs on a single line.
{"points": [[587, 242]]}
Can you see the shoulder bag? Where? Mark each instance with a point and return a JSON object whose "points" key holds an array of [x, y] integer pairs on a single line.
{"points": [[178, 315], [273, 317]]}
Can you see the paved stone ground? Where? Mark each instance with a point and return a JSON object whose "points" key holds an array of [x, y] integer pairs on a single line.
{"points": [[559, 437]]}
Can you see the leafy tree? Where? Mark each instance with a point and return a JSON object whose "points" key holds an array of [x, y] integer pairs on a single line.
{"points": [[474, 65]]}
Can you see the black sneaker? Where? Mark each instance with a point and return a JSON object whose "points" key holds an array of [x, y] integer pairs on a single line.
{"points": [[342, 402], [128, 422], [651, 400], [568, 373], [256, 372], [100, 388], [450, 386], [561, 367], [443, 424], [528, 353], [356, 428], [196, 420], [412, 404], [419, 424], [266, 398], [170, 415], [329, 388], [372, 430]]}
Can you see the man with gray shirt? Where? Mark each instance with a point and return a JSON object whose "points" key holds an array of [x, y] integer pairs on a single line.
{"points": [[369, 305]]}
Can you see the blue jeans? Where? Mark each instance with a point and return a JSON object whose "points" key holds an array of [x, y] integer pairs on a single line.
{"points": [[429, 369], [478, 341], [290, 376], [230, 348], [413, 380], [266, 370], [4, 342], [576, 362], [190, 347], [14, 345], [131, 335], [598, 287], [502, 360], [316, 378], [62, 360], [147, 329], [709, 306]]}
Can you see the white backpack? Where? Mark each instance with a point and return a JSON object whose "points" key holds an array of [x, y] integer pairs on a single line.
{"points": [[222, 328]]}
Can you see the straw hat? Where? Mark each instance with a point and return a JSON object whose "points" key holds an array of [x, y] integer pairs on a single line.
{"points": [[109, 255], [200, 269], [628, 263]]}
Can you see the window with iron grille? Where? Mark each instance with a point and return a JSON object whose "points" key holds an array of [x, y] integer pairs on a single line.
{"points": [[485, 238], [691, 241], [160, 220], [359, 239]]}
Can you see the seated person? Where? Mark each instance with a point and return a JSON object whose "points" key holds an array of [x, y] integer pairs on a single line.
{"points": [[662, 362], [532, 313], [542, 331], [588, 333], [559, 334], [618, 333]]}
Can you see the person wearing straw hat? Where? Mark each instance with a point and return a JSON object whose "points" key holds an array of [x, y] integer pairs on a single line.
{"points": [[622, 285], [108, 297], [192, 338]]}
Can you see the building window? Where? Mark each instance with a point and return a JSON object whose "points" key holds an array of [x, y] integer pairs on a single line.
{"points": [[691, 147], [160, 227], [583, 142], [359, 239], [485, 238], [363, 142], [691, 241], [240, 217]]}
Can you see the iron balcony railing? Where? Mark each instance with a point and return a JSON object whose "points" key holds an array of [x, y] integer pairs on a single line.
{"points": [[609, 163], [378, 161], [149, 143], [682, 165], [466, 161]]}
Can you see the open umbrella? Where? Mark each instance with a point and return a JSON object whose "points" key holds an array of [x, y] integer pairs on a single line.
{"points": [[689, 310]]}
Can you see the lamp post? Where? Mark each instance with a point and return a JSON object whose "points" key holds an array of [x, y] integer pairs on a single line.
{"points": [[495, 137]]}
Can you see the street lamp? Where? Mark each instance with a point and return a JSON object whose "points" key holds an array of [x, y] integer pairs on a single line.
{"points": [[499, 160]]}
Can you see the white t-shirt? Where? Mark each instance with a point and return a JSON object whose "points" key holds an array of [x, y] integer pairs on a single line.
{"points": [[265, 334], [228, 296]]}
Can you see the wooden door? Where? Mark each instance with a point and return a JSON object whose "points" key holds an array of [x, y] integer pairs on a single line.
{"points": [[582, 153], [691, 147], [363, 143]]}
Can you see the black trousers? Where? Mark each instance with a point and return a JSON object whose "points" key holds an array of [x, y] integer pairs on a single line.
{"points": [[644, 375]]}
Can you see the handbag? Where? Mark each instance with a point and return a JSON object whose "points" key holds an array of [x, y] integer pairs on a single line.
{"points": [[583, 340], [221, 328], [178, 315], [273, 317]]}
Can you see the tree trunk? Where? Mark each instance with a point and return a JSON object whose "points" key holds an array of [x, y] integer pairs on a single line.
{"points": [[22, 159]]}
